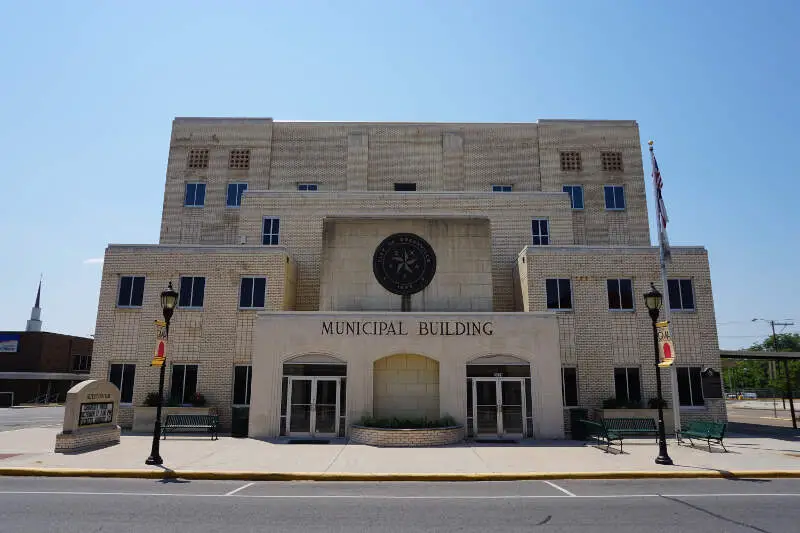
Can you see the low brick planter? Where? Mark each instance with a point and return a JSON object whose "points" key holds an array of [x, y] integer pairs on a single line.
{"points": [[406, 438]]}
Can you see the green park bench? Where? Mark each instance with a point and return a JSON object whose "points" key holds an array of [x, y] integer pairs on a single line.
{"points": [[707, 431], [598, 431], [632, 426], [175, 423]]}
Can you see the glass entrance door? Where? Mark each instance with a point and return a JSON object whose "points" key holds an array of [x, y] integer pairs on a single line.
{"points": [[326, 407], [299, 391], [313, 406], [499, 407]]}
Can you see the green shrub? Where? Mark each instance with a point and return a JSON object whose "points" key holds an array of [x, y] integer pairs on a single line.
{"points": [[406, 423], [151, 400]]}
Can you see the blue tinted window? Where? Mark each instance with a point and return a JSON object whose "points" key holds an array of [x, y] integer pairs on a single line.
{"points": [[575, 195], [540, 231], [271, 231], [195, 195], [234, 196], [192, 291], [307, 187], [502, 188], [615, 196]]}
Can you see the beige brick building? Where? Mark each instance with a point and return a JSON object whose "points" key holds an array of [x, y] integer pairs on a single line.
{"points": [[274, 232]]}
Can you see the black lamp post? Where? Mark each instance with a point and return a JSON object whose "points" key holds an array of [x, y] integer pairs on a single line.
{"points": [[169, 299], [653, 300]]}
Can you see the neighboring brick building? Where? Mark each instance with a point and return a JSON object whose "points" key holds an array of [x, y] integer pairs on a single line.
{"points": [[273, 233], [40, 367]]}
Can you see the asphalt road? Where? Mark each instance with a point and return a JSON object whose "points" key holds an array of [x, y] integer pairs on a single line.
{"points": [[764, 417], [654, 506], [30, 417]]}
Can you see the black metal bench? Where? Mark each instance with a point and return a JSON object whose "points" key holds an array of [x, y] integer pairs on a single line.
{"points": [[632, 426], [707, 431], [599, 431], [174, 423]]}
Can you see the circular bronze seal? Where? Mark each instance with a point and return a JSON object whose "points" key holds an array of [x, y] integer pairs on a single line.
{"points": [[404, 263]]}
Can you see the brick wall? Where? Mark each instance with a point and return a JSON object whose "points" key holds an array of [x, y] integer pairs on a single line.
{"points": [[406, 438], [596, 339], [215, 337]]}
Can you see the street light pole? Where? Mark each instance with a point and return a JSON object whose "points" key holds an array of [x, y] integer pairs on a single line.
{"points": [[653, 301], [169, 299]]}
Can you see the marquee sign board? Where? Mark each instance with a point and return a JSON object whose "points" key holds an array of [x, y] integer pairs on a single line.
{"points": [[404, 263], [96, 413]]}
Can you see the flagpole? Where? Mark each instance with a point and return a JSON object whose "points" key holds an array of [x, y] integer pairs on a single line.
{"points": [[673, 371]]}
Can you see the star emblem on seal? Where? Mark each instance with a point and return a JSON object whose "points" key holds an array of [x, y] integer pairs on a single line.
{"points": [[404, 263]]}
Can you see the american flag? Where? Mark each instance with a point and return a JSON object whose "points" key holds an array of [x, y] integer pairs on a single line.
{"points": [[661, 210]]}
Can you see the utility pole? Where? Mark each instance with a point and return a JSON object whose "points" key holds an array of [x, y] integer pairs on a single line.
{"points": [[785, 365]]}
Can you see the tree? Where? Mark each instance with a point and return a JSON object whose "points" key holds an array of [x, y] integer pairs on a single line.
{"points": [[754, 374], [787, 342]]}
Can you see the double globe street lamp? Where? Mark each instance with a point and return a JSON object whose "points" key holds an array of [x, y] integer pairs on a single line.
{"points": [[654, 300], [169, 299]]}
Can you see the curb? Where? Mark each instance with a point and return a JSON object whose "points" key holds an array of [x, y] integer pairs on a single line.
{"points": [[326, 476]]}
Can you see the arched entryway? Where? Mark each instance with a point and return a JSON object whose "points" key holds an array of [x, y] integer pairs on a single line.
{"points": [[405, 386], [499, 399], [313, 396]]}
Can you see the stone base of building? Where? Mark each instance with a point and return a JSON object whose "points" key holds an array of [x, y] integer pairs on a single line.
{"points": [[406, 438], [87, 439]]}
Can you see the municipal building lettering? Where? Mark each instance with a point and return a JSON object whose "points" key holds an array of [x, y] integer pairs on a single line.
{"points": [[447, 328]]}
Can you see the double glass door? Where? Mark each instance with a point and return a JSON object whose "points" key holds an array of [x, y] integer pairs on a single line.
{"points": [[313, 406], [499, 407]]}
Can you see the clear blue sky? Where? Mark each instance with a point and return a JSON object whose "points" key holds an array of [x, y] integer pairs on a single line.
{"points": [[90, 88]]}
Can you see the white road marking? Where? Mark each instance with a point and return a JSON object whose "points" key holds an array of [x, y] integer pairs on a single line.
{"points": [[380, 497], [562, 489], [234, 491]]}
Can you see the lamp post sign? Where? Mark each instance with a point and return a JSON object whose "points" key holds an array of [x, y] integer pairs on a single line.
{"points": [[160, 353], [666, 350]]}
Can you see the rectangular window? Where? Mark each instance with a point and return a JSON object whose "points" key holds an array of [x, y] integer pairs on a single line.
{"points": [[541, 231], [81, 363], [131, 291], [242, 376], [559, 294], [192, 291], [612, 161], [198, 158], [252, 293], [627, 385], [195, 195], [681, 294], [308, 187], [571, 161], [690, 386], [271, 231], [569, 386], [234, 196], [239, 159], [620, 294], [575, 195], [615, 197], [184, 384], [405, 187], [501, 188], [122, 376]]}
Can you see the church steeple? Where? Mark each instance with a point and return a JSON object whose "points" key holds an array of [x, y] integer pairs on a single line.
{"points": [[35, 323]]}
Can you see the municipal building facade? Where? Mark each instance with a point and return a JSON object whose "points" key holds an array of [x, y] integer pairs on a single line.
{"points": [[328, 271]]}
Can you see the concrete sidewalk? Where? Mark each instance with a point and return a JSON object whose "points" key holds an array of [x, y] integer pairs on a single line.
{"points": [[198, 456]]}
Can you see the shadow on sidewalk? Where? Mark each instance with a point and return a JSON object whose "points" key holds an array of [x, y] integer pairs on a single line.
{"points": [[743, 430]]}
